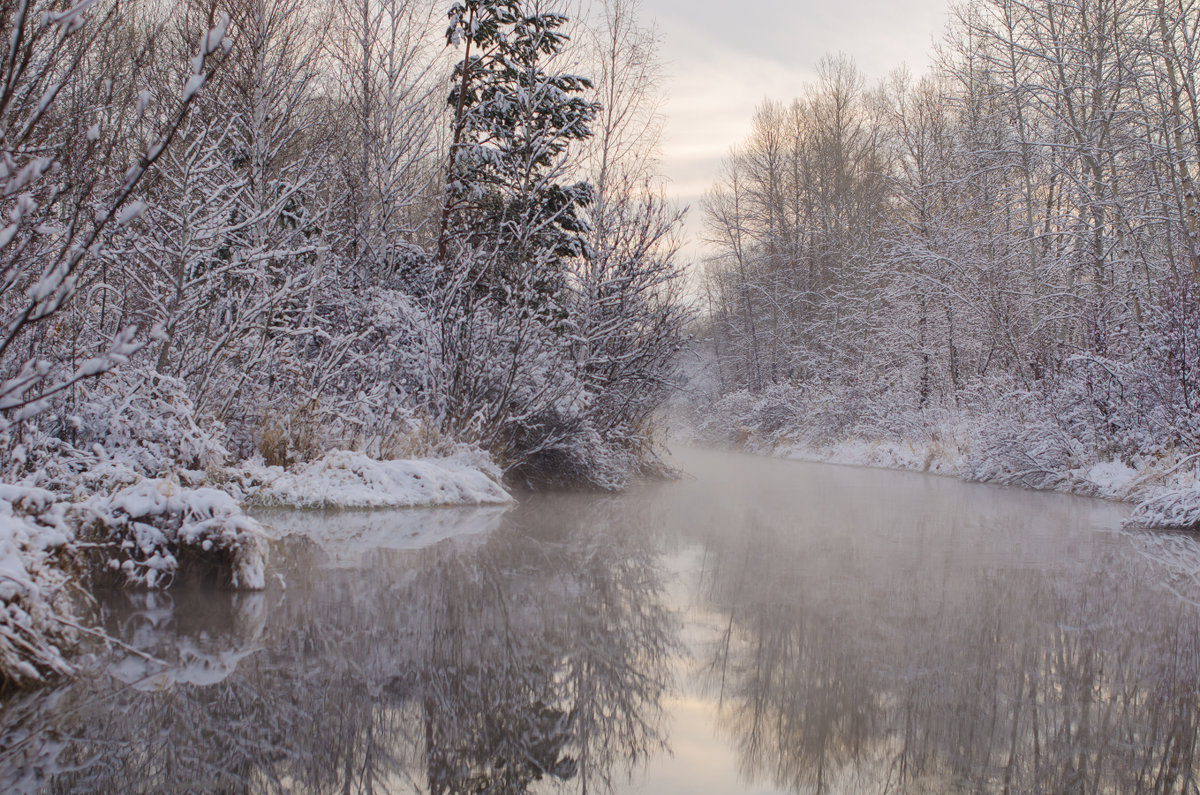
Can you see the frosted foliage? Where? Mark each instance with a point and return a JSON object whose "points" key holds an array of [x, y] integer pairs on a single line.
{"points": [[36, 619], [994, 267], [1171, 508], [147, 422], [249, 261]]}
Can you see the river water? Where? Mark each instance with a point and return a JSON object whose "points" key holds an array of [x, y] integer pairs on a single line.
{"points": [[758, 626]]}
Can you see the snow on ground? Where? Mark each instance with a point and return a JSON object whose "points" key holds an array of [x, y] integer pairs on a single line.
{"points": [[882, 454], [1112, 479], [346, 537], [344, 479]]}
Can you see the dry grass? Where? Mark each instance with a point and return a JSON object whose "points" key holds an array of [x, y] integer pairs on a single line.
{"points": [[295, 438]]}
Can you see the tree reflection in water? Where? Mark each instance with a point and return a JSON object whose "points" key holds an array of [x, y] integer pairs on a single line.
{"points": [[484, 665], [867, 666], [870, 632]]}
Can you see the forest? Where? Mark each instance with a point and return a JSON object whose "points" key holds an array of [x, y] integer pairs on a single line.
{"points": [[322, 254], [989, 271]]}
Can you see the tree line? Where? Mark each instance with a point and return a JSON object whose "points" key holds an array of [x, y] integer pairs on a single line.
{"points": [[1011, 237]]}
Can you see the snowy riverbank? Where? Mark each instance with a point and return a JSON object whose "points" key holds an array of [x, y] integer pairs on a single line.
{"points": [[343, 479], [1164, 493], [126, 530], [1164, 489]]}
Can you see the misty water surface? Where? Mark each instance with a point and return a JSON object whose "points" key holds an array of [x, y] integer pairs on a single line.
{"points": [[760, 626]]}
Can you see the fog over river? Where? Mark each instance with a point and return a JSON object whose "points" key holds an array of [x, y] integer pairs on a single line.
{"points": [[758, 626]]}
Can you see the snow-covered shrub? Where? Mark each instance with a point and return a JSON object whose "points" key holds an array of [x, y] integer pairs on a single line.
{"points": [[147, 422], [359, 383], [1175, 508], [415, 437], [512, 387], [1173, 340], [719, 423], [815, 414], [755, 419], [585, 458], [1099, 412], [1126, 407], [111, 433], [158, 533], [291, 437], [1022, 443], [33, 455], [559, 433], [35, 612], [1120, 409]]}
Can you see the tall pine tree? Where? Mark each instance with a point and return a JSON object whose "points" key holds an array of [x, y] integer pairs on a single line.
{"points": [[512, 216]]}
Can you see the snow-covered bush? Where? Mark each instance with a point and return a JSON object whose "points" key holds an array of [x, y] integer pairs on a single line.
{"points": [[1173, 340], [111, 433], [1169, 508], [1020, 442], [755, 420], [364, 381], [146, 421], [1122, 409], [584, 457], [36, 621], [158, 533], [557, 433]]}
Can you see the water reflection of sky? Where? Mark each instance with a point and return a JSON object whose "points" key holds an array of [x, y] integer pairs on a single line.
{"points": [[759, 627]]}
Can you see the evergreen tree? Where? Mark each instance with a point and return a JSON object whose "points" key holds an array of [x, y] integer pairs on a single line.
{"points": [[512, 217]]}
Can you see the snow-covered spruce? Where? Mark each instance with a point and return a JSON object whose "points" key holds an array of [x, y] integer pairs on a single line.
{"points": [[158, 533], [36, 621], [344, 479]]}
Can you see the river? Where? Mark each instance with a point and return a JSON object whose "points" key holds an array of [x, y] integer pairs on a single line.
{"points": [[758, 626]]}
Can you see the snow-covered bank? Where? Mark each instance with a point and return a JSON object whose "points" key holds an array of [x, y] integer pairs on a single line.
{"points": [[112, 525], [1036, 453], [1162, 499], [1113, 480], [152, 534], [158, 532], [343, 479]]}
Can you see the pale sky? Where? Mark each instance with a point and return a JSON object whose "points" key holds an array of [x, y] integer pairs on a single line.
{"points": [[724, 58]]}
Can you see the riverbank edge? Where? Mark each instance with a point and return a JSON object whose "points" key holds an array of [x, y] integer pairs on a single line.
{"points": [[1163, 492], [125, 530]]}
